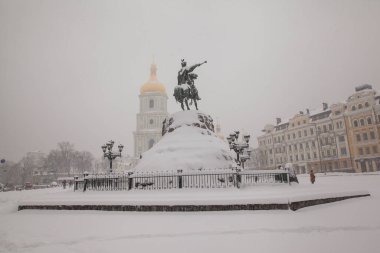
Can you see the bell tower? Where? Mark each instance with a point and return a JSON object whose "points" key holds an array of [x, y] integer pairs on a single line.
{"points": [[153, 111]]}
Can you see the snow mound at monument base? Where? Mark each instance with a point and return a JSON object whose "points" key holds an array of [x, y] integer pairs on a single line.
{"points": [[188, 144]]}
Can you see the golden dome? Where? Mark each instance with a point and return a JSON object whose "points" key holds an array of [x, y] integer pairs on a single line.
{"points": [[153, 85]]}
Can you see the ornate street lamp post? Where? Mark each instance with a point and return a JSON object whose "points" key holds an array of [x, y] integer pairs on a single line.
{"points": [[107, 150], [240, 148]]}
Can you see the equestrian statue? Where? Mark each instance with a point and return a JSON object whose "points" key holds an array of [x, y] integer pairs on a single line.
{"points": [[185, 90]]}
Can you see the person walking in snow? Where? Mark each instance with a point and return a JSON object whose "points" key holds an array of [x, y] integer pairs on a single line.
{"points": [[312, 177]]}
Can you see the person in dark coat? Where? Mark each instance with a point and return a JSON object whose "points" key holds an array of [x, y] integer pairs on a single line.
{"points": [[312, 177]]}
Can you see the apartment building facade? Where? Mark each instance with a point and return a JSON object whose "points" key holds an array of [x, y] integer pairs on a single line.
{"points": [[325, 140]]}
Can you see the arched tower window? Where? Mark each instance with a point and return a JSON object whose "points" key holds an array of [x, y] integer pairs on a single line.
{"points": [[151, 143], [151, 103]]}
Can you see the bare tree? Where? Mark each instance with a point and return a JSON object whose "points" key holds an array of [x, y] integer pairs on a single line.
{"points": [[65, 159], [83, 161], [67, 155]]}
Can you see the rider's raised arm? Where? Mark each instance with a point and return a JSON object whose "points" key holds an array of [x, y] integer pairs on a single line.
{"points": [[191, 68]]}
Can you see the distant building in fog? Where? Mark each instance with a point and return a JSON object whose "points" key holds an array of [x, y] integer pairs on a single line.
{"points": [[340, 137]]}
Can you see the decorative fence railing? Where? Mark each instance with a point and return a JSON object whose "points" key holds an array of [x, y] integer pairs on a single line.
{"points": [[158, 181]]}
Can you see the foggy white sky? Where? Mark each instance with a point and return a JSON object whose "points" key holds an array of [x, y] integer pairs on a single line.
{"points": [[71, 70]]}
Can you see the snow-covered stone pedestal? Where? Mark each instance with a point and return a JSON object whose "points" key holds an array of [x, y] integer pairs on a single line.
{"points": [[188, 144]]}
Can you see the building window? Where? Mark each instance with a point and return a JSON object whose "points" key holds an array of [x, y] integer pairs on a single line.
{"points": [[311, 131], [372, 135], [361, 122], [291, 158], [313, 144], [301, 146], [343, 151], [374, 149], [299, 134], [360, 106], [296, 157], [315, 155], [328, 152], [307, 145], [367, 151], [302, 157], [151, 103], [353, 108], [366, 104], [294, 135], [341, 138], [365, 137], [151, 121], [290, 148], [330, 127], [360, 151], [358, 138], [295, 146], [369, 121], [308, 156], [355, 123]]}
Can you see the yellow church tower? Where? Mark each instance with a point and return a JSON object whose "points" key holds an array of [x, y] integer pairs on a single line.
{"points": [[153, 111]]}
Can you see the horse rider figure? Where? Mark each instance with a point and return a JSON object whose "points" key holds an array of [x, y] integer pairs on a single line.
{"points": [[186, 89]]}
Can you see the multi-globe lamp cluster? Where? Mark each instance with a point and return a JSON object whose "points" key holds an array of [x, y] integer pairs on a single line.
{"points": [[240, 148]]}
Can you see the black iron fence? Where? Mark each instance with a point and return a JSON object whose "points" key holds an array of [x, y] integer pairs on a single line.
{"points": [[179, 180]]}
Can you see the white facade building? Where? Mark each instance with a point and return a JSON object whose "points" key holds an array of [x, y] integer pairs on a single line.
{"points": [[153, 111]]}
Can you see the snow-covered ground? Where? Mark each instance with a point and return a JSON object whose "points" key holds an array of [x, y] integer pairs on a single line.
{"points": [[347, 226]]}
